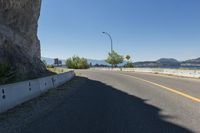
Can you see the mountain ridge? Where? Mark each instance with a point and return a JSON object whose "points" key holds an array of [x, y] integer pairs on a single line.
{"points": [[168, 62]]}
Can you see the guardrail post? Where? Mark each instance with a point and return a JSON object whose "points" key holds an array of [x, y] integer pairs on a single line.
{"points": [[3, 94]]}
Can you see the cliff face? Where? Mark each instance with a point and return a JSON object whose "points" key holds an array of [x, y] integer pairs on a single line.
{"points": [[19, 44]]}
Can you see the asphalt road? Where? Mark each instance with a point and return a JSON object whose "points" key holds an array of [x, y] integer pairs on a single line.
{"points": [[124, 102]]}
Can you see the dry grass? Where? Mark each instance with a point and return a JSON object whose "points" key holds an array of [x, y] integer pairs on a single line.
{"points": [[58, 70]]}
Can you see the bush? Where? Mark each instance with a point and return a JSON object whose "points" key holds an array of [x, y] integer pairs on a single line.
{"points": [[50, 66], [77, 63], [129, 65], [7, 74]]}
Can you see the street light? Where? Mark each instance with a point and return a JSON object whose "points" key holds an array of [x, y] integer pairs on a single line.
{"points": [[110, 40]]}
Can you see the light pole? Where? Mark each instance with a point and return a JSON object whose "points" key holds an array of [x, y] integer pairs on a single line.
{"points": [[110, 40]]}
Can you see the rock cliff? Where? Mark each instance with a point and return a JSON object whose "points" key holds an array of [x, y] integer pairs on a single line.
{"points": [[19, 44]]}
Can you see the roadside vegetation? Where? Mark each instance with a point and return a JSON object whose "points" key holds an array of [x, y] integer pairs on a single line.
{"points": [[57, 70], [129, 63], [114, 59], [77, 63], [7, 74]]}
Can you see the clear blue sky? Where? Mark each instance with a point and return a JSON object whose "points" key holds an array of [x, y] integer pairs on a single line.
{"points": [[145, 29]]}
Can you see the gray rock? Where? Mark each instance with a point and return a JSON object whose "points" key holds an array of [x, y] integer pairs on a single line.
{"points": [[19, 44]]}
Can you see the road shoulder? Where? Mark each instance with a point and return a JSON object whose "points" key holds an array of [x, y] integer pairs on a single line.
{"points": [[16, 119]]}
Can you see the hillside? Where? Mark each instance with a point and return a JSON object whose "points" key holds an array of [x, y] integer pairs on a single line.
{"points": [[163, 62], [192, 62]]}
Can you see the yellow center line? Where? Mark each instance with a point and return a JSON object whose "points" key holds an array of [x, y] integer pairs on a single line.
{"points": [[167, 88]]}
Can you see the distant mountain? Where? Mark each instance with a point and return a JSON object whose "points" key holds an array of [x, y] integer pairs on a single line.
{"points": [[146, 64], [163, 62], [192, 62], [167, 61]]}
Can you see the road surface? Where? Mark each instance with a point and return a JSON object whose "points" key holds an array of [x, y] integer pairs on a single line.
{"points": [[124, 102]]}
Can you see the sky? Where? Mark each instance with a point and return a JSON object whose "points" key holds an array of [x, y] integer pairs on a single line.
{"points": [[145, 29]]}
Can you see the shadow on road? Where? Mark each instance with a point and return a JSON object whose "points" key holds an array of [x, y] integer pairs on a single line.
{"points": [[99, 108]]}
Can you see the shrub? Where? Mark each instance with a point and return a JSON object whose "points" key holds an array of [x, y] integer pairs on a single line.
{"points": [[77, 63], [50, 66], [129, 65], [7, 74]]}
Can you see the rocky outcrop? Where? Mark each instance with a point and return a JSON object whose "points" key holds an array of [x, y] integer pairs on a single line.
{"points": [[19, 44]]}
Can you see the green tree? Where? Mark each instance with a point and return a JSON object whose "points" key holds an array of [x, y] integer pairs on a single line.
{"points": [[128, 57], [77, 63], [129, 64], [114, 58]]}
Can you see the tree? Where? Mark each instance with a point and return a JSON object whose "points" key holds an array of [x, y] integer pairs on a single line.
{"points": [[129, 64], [128, 57], [77, 63], [114, 58]]}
